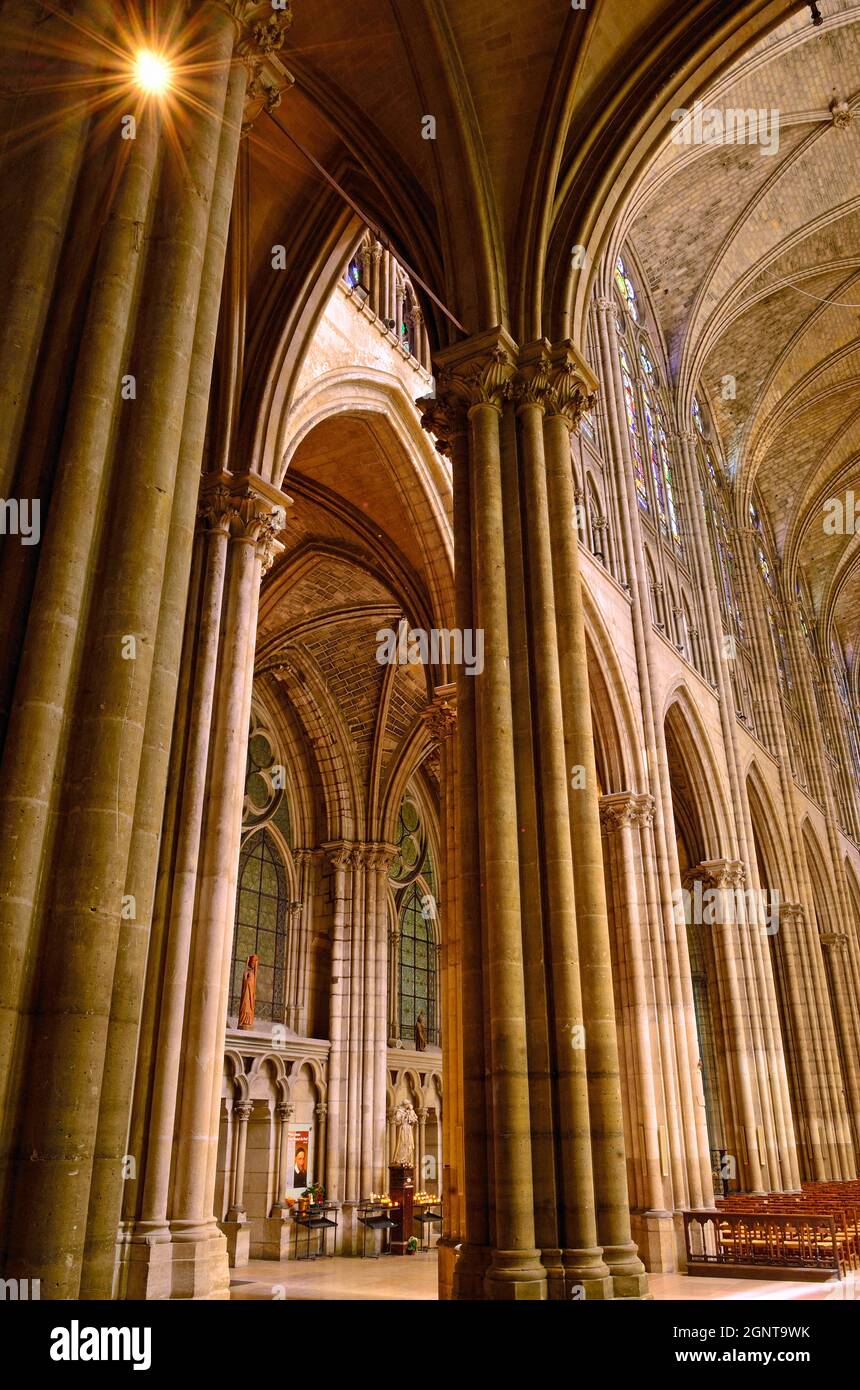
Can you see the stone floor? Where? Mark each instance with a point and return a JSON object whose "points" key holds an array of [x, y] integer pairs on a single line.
{"points": [[414, 1277]]}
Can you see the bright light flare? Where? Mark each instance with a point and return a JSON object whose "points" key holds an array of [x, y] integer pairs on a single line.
{"points": [[152, 73]]}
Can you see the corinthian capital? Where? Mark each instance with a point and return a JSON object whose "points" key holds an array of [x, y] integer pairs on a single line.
{"points": [[440, 716], [261, 31], [476, 372], [722, 873], [248, 507], [572, 384], [620, 810]]}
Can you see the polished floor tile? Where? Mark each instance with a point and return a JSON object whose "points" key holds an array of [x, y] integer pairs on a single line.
{"points": [[414, 1278]]}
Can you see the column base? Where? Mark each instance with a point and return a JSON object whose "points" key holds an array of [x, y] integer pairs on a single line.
{"points": [[446, 1250], [278, 1238], [654, 1234], [516, 1275], [469, 1270], [162, 1269], [586, 1275], [238, 1235], [629, 1279]]}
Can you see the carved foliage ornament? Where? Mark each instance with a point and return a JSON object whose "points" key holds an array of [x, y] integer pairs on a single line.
{"points": [[552, 379]]}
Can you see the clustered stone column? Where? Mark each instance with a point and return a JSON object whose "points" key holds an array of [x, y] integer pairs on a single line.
{"points": [[358, 1013], [103, 635], [543, 1138], [626, 820], [441, 720], [171, 1233]]}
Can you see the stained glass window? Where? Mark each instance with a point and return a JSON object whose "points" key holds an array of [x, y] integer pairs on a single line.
{"points": [[353, 272], [418, 966], [667, 479], [711, 465], [647, 364], [261, 925], [697, 417], [764, 566], [633, 428], [625, 289], [654, 455], [754, 517], [414, 882]]}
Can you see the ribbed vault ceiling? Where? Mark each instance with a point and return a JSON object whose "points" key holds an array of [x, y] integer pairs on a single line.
{"points": [[753, 260]]}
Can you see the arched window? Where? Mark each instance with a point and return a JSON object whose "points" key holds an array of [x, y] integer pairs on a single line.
{"points": [[353, 272], [697, 417], [625, 288], [418, 966], [416, 957], [633, 428], [261, 925]]}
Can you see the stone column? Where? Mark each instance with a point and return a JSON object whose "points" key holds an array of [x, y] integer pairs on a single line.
{"points": [[382, 859], [320, 1112], [472, 382], [441, 721], [370, 1050], [285, 1111], [130, 1030], [569, 384], [621, 814], [48, 667], [242, 1114], [256, 514], [394, 976], [338, 1024], [86, 879], [569, 1034], [420, 1149], [40, 177], [726, 876], [376, 279]]}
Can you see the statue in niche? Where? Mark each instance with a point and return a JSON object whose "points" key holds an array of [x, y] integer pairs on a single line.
{"points": [[248, 1000], [405, 1118], [421, 1032]]}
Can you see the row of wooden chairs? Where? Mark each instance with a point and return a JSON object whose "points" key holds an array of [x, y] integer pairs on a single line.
{"points": [[816, 1228]]}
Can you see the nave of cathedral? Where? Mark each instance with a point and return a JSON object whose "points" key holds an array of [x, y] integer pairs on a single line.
{"points": [[430, 667]]}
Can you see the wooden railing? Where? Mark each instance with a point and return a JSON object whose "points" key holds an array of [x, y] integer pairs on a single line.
{"points": [[783, 1241], [815, 1229]]}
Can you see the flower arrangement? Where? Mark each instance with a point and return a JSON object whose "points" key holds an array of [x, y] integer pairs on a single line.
{"points": [[411, 1245], [316, 1193]]}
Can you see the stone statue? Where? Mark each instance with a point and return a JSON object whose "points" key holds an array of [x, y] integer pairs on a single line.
{"points": [[405, 1118], [421, 1032], [248, 1000]]}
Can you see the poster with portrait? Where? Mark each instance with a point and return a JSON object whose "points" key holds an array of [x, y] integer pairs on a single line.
{"points": [[299, 1169]]}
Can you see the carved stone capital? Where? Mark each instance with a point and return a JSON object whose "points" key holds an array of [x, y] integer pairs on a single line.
{"points": [[251, 510], [532, 383], [440, 717], [621, 810], [261, 32], [321, 1110], [242, 1110], [477, 372], [338, 852], [791, 913], [721, 873], [285, 1110], [572, 384]]}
